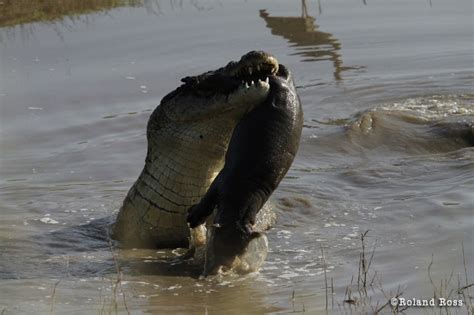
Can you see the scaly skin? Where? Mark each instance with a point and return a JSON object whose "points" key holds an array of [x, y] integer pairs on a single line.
{"points": [[188, 135]]}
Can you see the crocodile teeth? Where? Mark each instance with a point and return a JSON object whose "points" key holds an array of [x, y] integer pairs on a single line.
{"points": [[246, 85], [267, 80], [258, 68], [251, 82], [250, 70]]}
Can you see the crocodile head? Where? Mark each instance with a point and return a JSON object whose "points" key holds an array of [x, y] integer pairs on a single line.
{"points": [[242, 83]]}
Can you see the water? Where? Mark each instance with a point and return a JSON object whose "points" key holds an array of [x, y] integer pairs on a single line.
{"points": [[387, 147]]}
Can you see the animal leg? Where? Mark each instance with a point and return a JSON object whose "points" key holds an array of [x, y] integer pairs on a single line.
{"points": [[198, 213]]}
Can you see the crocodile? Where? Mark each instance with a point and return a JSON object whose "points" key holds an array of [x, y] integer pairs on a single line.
{"points": [[188, 135]]}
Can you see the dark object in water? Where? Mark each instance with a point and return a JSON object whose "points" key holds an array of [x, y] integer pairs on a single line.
{"points": [[261, 150]]}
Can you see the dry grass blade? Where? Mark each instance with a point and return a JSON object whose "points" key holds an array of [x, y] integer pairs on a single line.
{"points": [[118, 282], [53, 296], [323, 258], [431, 279], [465, 289], [364, 265], [332, 293], [293, 298]]}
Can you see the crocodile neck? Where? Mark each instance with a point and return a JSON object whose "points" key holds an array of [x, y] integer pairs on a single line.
{"points": [[181, 163]]}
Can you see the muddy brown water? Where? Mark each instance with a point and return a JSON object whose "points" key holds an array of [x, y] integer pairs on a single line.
{"points": [[387, 147]]}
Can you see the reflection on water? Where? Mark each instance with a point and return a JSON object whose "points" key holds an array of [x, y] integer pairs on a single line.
{"points": [[301, 32], [304, 35]]}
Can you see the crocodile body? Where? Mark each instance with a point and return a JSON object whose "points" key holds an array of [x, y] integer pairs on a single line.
{"points": [[188, 135]]}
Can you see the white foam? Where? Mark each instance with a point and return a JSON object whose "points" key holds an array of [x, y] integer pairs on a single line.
{"points": [[47, 220], [174, 287], [288, 275]]}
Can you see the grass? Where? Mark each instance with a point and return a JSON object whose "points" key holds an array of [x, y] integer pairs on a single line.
{"points": [[446, 289], [17, 12], [53, 296], [365, 294], [106, 306], [362, 296], [323, 259], [116, 286]]}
